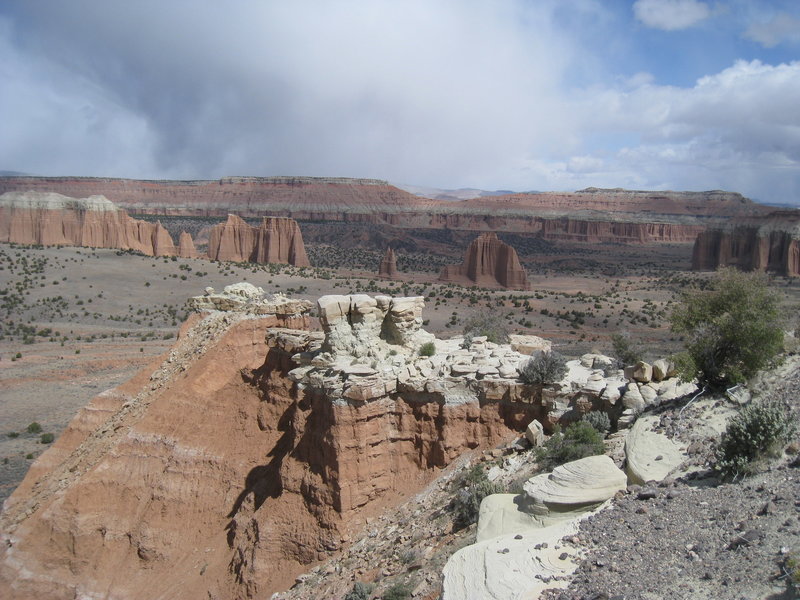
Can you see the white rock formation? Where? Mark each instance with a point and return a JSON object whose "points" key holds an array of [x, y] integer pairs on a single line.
{"points": [[650, 456]]}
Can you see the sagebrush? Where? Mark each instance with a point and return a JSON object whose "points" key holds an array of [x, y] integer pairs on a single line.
{"points": [[490, 325], [543, 368], [473, 487], [577, 441], [758, 432]]}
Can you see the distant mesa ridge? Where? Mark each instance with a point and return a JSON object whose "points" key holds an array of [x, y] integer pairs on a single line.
{"points": [[592, 215], [769, 243]]}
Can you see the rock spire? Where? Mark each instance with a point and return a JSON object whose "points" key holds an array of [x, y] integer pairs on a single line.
{"points": [[276, 240], [388, 268]]}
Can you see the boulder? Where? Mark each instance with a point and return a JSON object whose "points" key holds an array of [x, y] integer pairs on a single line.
{"points": [[661, 369], [650, 456], [535, 433], [642, 372], [576, 484], [632, 398]]}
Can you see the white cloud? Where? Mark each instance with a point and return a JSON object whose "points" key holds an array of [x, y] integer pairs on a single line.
{"points": [[780, 28], [670, 15]]}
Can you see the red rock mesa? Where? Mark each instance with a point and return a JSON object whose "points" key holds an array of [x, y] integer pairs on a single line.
{"points": [[770, 243], [276, 240], [51, 219], [488, 263]]}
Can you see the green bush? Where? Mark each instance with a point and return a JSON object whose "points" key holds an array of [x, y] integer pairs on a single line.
{"points": [[427, 349], [47, 438], [732, 330], [34, 428], [13, 434], [758, 432], [490, 325], [360, 591], [624, 350], [399, 591], [599, 420], [544, 367], [474, 486], [577, 441]]}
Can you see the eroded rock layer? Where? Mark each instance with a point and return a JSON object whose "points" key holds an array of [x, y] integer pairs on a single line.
{"points": [[591, 215], [276, 240], [770, 243], [50, 219], [488, 262]]}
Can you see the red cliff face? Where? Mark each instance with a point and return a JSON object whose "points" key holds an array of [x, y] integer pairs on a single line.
{"points": [[388, 267], [770, 243], [212, 474], [591, 215], [276, 240], [488, 263], [51, 219]]}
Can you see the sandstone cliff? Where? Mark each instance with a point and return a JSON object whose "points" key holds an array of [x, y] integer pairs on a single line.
{"points": [[276, 240], [488, 262], [51, 219], [770, 243], [388, 266], [591, 215]]}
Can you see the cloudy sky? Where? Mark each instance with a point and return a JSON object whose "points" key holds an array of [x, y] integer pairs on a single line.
{"points": [[495, 94]]}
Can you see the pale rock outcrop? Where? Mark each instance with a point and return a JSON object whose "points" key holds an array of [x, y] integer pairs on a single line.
{"points": [[247, 298], [534, 433], [508, 568], [642, 372], [52, 219], [388, 266], [488, 262], [276, 240], [528, 344], [575, 485], [650, 456]]}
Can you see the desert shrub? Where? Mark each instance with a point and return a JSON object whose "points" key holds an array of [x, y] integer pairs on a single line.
{"points": [[47, 438], [792, 569], [758, 432], [732, 330], [486, 324], [624, 350], [13, 434], [427, 349], [360, 591], [599, 420], [474, 486], [577, 441], [34, 428], [399, 591], [544, 367]]}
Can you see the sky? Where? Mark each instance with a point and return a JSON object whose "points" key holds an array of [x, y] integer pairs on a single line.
{"points": [[492, 94]]}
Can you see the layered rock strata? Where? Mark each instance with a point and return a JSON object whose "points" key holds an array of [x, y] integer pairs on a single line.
{"points": [[51, 219], [488, 262], [249, 450], [388, 266], [591, 215], [770, 243], [276, 240]]}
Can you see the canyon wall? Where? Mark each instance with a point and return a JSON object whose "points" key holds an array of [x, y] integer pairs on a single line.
{"points": [[276, 240], [770, 243], [51, 219], [255, 447], [591, 215], [488, 262]]}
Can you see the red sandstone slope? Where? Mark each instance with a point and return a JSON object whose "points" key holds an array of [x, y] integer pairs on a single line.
{"points": [[51, 219], [276, 240], [770, 243], [488, 262]]}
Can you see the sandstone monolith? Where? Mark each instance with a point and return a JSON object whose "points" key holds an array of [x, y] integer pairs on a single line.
{"points": [[388, 267], [488, 262], [276, 240]]}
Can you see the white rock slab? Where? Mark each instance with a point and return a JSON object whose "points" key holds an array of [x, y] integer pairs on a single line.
{"points": [[590, 480], [650, 456]]}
